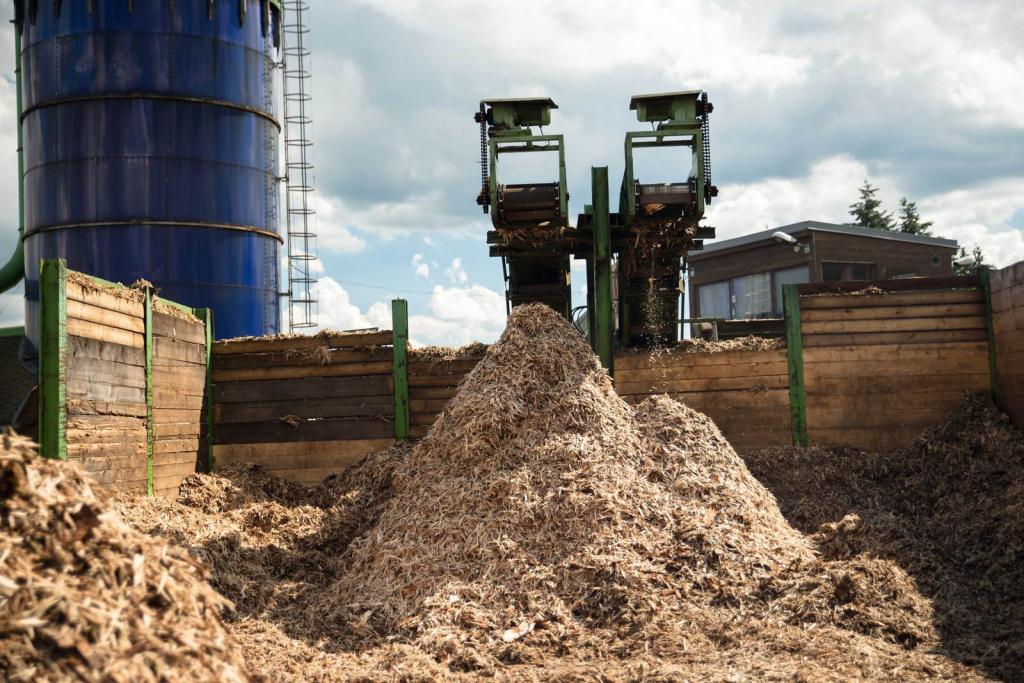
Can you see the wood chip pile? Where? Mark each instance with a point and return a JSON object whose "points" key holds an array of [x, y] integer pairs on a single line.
{"points": [[949, 510], [544, 530], [85, 597]]}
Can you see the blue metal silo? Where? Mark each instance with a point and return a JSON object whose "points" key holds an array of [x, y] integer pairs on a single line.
{"points": [[151, 149]]}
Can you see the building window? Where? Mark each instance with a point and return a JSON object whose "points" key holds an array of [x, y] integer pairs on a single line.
{"points": [[840, 272], [752, 296], [714, 300], [788, 276]]}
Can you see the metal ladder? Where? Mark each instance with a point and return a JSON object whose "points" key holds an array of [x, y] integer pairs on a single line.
{"points": [[298, 165]]}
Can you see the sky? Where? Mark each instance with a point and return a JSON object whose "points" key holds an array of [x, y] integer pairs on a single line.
{"points": [[921, 98]]}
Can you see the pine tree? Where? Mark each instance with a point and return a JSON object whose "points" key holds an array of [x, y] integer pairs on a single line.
{"points": [[868, 211], [910, 219]]}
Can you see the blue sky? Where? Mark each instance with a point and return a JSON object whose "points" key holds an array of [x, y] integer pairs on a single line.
{"points": [[922, 98]]}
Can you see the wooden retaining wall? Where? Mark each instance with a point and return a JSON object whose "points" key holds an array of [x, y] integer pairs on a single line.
{"points": [[1007, 291], [122, 381], [878, 368], [303, 407], [746, 393]]}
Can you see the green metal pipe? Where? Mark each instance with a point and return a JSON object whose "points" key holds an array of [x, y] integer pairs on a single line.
{"points": [[13, 271]]}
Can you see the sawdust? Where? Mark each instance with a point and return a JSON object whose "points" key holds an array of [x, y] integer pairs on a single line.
{"points": [[545, 530], [85, 597], [947, 509], [118, 290], [161, 306], [473, 351]]}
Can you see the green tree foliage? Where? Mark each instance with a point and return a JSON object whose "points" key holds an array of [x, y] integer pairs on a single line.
{"points": [[868, 210], [910, 219]]}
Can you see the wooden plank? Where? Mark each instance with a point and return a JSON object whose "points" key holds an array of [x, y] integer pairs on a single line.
{"points": [[877, 439], [162, 446], [896, 367], [274, 344], [703, 372], [307, 408], [112, 435], [164, 430], [285, 390], [340, 370], [1007, 299], [90, 330], [103, 316], [300, 358], [98, 391], [909, 284], [680, 359], [959, 296], [82, 348], [853, 326], [735, 400], [103, 298], [168, 399], [88, 407], [422, 406], [94, 450], [176, 415], [78, 421], [892, 312], [106, 372], [297, 455], [944, 351], [422, 418], [894, 338], [442, 367], [684, 386], [179, 350], [168, 470], [1009, 322], [435, 380], [977, 381], [844, 418], [312, 430], [446, 393], [173, 327]]}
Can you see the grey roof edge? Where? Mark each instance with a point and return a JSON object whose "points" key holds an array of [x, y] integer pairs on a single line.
{"points": [[819, 226]]}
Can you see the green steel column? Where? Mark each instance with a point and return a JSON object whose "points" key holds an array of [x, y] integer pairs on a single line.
{"points": [[986, 287], [400, 344], [12, 272], [148, 346], [795, 355], [603, 324], [53, 344], [206, 315]]}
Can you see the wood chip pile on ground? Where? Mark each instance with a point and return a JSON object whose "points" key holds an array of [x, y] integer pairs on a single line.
{"points": [[85, 597], [949, 510], [545, 530]]}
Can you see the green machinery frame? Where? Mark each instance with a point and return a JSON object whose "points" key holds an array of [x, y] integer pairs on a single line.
{"points": [[526, 237], [652, 259]]}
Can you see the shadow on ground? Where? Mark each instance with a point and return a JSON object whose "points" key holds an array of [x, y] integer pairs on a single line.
{"points": [[949, 510]]}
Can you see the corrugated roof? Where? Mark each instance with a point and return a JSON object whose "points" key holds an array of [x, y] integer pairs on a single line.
{"points": [[817, 226]]}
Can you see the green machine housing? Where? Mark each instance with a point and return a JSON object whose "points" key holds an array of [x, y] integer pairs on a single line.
{"points": [[528, 218], [662, 219]]}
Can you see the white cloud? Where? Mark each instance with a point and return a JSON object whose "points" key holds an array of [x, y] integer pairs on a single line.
{"points": [[977, 215], [686, 41], [455, 272], [459, 315], [332, 234], [337, 312], [420, 267], [12, 308]]}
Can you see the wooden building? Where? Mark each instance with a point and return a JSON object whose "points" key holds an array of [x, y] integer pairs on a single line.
{"points": [[742, 278]]}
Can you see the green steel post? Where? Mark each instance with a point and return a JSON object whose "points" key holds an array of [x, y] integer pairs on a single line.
{"points": [[603, 326], [795, 355], [53, 343], [986, 288], [12, 272], [148, 346], [206, 315], [400, 344]]}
